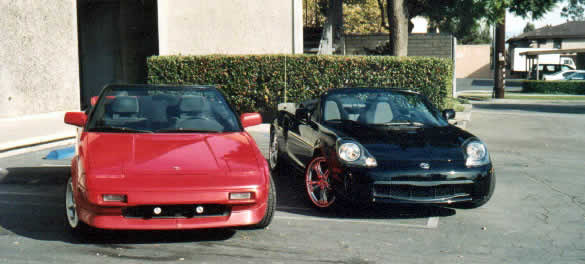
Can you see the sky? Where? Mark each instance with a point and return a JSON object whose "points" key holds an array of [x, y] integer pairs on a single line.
{"points": [[515, 24]]}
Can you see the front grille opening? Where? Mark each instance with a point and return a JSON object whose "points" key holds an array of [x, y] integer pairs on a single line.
{"points": [[175, 211], [422, 192]]}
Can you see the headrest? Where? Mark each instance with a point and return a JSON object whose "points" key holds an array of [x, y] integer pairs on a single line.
{"points": [[192, 104], [125, 104]]}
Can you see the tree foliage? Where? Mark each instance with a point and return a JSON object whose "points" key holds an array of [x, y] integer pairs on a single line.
{"points": [[574, 11]]}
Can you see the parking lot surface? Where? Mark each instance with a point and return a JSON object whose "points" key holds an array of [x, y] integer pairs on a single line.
{"points": [[537, 214]]}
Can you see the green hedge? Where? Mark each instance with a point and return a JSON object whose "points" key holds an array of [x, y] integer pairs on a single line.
{"points": [[554, 87], [257, 82]]}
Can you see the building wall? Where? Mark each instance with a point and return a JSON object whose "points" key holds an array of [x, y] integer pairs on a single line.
{"points": [[577, 43], [473, 61], [39, 70], [230, 27], [435, 45]]}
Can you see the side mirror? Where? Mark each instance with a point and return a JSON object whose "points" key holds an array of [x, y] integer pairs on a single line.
{"points": [[302, 114], [449, 114], [250, 119], [94, 100], [75, 118]]}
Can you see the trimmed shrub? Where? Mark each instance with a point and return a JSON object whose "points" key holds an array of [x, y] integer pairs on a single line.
{"points": [[258, 82], [554, 87]]}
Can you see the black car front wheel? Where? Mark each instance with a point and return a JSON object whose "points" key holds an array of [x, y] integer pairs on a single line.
{"points": [[318, 184]]}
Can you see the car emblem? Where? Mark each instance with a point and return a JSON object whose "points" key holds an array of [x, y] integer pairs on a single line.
{"points": [[177, 168], [425, 166]]}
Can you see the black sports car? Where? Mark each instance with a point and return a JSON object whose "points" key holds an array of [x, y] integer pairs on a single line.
{"points": [[382, 146]]}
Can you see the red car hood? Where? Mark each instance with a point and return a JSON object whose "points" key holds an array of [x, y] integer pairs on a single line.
{"points": [[172, 161]]}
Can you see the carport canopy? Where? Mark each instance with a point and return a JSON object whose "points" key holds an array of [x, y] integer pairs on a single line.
{"points": [[533, 54]]}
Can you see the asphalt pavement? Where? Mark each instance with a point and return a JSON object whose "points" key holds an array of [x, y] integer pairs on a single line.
{"points": [[537, 214]]}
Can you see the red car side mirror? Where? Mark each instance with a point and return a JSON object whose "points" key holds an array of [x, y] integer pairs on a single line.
{"points": [[75, 118], [94, 100], [250, 119]]}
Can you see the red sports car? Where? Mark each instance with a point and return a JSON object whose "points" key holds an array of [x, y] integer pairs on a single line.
{"points": [[166, 157]]}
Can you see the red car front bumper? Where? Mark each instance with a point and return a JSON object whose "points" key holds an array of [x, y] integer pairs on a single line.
{"points": [[99, 214]]}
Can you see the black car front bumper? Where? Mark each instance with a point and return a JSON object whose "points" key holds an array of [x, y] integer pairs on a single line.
{"points": [[415, 186]]}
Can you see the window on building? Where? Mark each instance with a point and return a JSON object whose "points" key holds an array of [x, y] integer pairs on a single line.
{"points": [[557, 43], [541, 42]]}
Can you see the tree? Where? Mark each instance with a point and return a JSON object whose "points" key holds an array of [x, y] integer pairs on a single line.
{"points": [[574, 11], [529, 27], [460, 17]]}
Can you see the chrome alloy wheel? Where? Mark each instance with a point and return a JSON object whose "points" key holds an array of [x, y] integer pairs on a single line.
{"points": [[71, 206], [273, 152], [318, 184]]}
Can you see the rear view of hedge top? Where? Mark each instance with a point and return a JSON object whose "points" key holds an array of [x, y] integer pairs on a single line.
{"points": [[257, 82]]}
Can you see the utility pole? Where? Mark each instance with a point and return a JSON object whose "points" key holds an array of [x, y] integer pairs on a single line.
{"points": [[500, 56]]}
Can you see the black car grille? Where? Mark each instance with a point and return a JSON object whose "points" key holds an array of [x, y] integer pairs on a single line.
{"points": [[175, 211], [413, 192]]}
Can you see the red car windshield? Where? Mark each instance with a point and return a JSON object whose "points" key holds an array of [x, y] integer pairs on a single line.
{"points": [[152, 109]]}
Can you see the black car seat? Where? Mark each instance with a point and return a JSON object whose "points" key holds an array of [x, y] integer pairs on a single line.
{"points": [[331, 110], [124, 111], [195, 113]]}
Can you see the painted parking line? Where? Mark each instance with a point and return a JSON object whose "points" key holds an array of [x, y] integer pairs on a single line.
{"points": [[432, 223]]}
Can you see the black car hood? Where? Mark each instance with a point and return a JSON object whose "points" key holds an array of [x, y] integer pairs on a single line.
{"points": [[407, 144]]}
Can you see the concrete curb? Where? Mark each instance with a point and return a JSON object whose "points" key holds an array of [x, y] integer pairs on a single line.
{"points": [[463, 118], [35, 141]]}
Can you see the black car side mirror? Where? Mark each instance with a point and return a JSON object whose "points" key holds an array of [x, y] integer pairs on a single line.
{"points": [[449, 114], [302, 114]]}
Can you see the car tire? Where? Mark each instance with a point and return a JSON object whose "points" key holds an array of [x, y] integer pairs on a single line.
{"points": [[270, 207], [77, 227], [273, 152], [316, 178]]}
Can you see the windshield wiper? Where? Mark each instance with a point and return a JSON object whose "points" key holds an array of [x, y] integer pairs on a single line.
{"points": [[186, 130], [404, 123], [120, 129], [346, 121]]}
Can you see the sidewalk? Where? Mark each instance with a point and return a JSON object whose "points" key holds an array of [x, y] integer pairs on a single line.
{"points": [[20, 132]]}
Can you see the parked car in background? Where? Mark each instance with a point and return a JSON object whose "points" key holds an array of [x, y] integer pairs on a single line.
{"points": [[580, 75], [380, 146], [544, 69], [166, 157], [562, 75]]}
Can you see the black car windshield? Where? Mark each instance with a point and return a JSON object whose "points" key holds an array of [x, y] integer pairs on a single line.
{"points": [[161, 109], [381, 107]]}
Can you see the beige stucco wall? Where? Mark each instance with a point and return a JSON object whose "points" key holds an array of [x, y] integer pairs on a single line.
{"points": [[473, 61], [39, 70], [230, 27], [578, 43]]}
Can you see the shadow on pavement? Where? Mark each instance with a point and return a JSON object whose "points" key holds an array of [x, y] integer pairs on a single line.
{"points": [[292, 198], [32, 205], [543, 108]]}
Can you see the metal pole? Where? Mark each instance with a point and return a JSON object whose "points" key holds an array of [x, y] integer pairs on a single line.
{"points": [[500, 58]]}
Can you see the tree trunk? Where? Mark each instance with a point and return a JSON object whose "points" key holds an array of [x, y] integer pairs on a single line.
{"points": [[500, 63], [333, 28], [397, 18], [383, 24]]}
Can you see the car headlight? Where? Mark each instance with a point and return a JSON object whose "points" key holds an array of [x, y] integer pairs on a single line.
{"points": [[349, 151], [352, 153], [476, 153]]}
